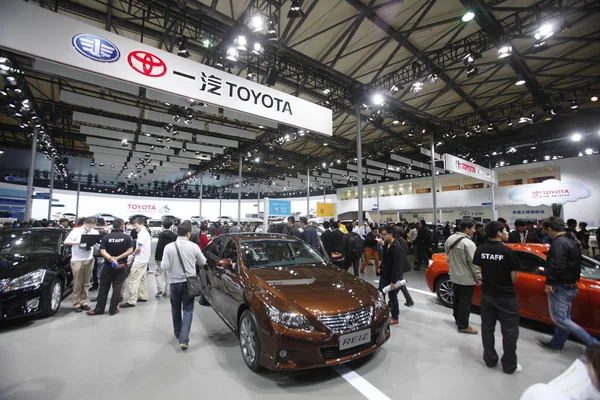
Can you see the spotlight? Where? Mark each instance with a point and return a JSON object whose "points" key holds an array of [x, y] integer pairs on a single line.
{"points": [[258, 49], [504, 51], [417, 87], [112, 166], [472, 71], [184, 147], [469, 59], [176, 118], [576, 137], [152, 147], [395, 122], [256, 22], [377, 99], [594, 98], [249, 74], [589, 152], [206, 42], [395, 88], [520, 82], [544, 32], [232, 54], [574, 105], [124, 143], [295, 11], [468, 16], [240, 42], [271, 31], [183, 52]]}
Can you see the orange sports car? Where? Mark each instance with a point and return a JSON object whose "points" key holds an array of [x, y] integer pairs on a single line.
{"points": [[533, 301]]}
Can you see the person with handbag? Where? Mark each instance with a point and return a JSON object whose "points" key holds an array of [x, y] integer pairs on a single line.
{"points": [[179, 260]]}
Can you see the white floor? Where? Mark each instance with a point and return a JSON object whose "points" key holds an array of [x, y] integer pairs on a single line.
{"points": [[133, 355]]}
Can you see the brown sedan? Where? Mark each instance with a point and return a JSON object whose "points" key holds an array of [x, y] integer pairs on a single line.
{"points": [[291, 308]]}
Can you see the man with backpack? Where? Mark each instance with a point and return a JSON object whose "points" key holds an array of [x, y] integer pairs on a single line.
{"points": [[355, 247], [460, 250]]}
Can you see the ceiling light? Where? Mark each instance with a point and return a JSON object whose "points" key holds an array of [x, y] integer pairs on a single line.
{"points": [[574, 105], [183, 52], [520, 82], [124, 142], [504, 51], [377, 99], [257, 159], [417, 87], [525, 161], [544, 32], [576, 137], [258, 49], [295, 11], [325, 144], [546, 158], [589, 152], [468, 16], [594, 98], [256, 22], [232, 54], [469, 59], [472, 71], [395, 122], [395, 88], [240, 42], [271, 31]]}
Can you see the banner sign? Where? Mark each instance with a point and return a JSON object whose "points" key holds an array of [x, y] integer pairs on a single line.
{"points": [[549, 192], [325, 210], [280, 207], [464, 167], [69, 42]]}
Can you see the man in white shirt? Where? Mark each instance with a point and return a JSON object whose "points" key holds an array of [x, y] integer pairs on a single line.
{"points": [[364, 229], [180, 300], [82, 263], [138, 280]]}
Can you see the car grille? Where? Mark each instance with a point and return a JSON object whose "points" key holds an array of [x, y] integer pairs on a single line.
{"points": [[348, 322], [332, 353]]}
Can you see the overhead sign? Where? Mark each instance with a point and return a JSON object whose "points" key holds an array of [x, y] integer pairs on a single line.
{"points": [[464, 167], [325, 210], [73, 43], [280, 207], [549, 192]]}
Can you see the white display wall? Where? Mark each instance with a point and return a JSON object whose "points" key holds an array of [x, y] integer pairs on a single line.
{"points": [[123, 206]]}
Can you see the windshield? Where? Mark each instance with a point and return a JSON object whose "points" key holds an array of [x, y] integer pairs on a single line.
{"points": [[29, 242], [590, 268], [154, 224], [278, 253]]}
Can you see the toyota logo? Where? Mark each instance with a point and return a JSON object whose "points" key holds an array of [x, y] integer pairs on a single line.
{"points": [[457, 163], [351, 321], [147, 64]]}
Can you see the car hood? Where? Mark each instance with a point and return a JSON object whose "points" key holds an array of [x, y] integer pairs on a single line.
{"points": [[12, 265], [319, 290]]}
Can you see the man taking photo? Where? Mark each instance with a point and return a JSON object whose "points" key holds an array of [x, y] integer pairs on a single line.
{"points": [[563, 270], [115, 248]]}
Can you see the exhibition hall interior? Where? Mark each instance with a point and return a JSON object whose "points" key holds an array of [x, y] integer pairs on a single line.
{"points": [[257, 199]]}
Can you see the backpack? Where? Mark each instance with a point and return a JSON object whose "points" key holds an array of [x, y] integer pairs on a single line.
{"points": [[356, 247]]}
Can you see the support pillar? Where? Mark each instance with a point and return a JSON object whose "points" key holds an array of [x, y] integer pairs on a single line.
{"points": [[433, 185], [29, 199], [51, 192], [359, 162]]}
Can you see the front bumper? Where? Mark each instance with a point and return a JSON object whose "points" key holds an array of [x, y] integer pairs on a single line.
{"points": [[22, 303], [316, 349]]}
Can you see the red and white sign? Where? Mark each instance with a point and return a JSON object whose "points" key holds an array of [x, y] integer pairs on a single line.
{"points": [[464, 167], [549, 192], [133, 207], [147, 64]]}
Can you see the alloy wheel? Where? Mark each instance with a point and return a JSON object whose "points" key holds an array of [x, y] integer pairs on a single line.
{"points": [[446, 291], [247, 340], [56, 296]]}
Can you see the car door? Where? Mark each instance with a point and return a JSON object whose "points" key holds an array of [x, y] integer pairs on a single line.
{"points": [[207, 272], [533, 301], [228, 282]]}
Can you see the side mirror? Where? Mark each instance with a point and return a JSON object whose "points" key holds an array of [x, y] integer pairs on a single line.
{"points": [[541, 270], [226, 263], [337, 257]]}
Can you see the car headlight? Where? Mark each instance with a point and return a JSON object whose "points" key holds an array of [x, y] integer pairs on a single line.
{"points": [[288, 319], [31, 279], [380, 303]]}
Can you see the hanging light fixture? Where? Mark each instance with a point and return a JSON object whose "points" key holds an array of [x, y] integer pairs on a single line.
{"points": [[232, 54], [271, 31], [504, 51], [240, 42], [258, 49], [295, 11], [182, 52]]}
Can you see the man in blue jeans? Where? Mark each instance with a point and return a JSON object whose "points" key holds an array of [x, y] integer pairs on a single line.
{"points": [[179, 260], [563, 269]]}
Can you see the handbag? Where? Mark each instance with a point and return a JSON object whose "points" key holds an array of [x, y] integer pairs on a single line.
{"points": [[193, 282]]}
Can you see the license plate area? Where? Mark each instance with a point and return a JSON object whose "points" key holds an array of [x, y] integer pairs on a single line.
{"points": [[355, 339]]}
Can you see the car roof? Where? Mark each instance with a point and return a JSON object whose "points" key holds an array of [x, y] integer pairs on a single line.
{"points": [[260, 236], [539, 249]]}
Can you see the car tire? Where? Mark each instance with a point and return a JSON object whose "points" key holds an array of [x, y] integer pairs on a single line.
{"points": [[445, 291], [250, 345], [53, 298]]}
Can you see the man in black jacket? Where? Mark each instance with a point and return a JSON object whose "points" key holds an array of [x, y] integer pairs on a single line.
{"points": [[391, 272], [422, 245], [328, 238], [519, 235], [162, 277], [563, 269]]}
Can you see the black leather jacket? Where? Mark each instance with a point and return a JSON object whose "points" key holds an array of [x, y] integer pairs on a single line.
{"points": [[563, 265]]}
